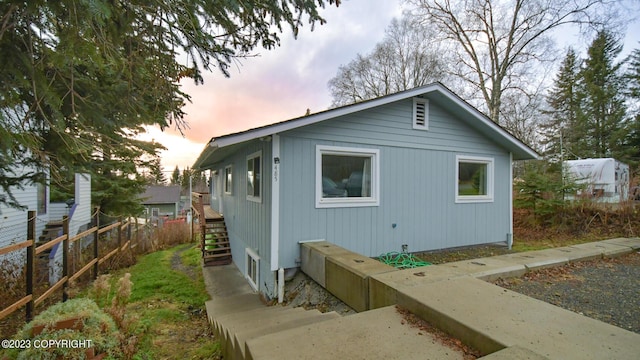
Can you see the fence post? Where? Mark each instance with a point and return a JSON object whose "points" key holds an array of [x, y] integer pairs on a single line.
{"points": [[119, 232], [137, 228], [65, 257], [193, 233], [96, 224], [31, 251], [129, 231]]}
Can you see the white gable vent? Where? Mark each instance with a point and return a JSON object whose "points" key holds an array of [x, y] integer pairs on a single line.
{"points": [[420, 114]]}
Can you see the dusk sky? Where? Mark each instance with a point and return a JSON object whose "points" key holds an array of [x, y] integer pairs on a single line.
{"points": [[283, 83]]}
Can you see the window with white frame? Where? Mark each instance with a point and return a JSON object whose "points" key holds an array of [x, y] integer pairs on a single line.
{"points": [[420, 114], [252, 268], [474, 179], [228, 179], [347, 177], [254, 171]]}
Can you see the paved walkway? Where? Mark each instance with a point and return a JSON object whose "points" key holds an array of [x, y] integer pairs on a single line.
{"points": [[500, 323]]}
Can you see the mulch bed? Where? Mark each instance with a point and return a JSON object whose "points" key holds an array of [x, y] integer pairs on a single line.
{"points": [[605, 289]]}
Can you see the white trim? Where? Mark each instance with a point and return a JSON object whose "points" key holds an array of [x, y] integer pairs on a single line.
{"points": [[510, 200], [229, 190], [373, 200], [275, 201], [258, 199], [213, 186], [489, 161], [248, 252], [425, 102]]}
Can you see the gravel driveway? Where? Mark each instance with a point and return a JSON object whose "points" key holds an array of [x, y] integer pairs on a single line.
{"points": [[604, 289]]}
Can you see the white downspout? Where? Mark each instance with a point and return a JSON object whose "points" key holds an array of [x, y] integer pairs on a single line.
{"points": [[280, 285]]}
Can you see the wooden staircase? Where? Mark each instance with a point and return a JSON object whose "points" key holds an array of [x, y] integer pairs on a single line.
{"points": [[216, 249], [214, 237], [50, 232]]}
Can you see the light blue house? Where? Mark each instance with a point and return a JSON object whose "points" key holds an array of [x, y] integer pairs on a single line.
{"points": [[419, 170]]}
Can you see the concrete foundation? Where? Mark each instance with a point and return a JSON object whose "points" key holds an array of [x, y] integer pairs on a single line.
{"points": [[347, 277], [313, 255]]}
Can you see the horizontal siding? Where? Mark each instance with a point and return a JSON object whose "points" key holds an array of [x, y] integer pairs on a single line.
{"points": [[13, 222], [417, 185]]}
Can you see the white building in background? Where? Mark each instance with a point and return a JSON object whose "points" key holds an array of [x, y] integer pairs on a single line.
{"points": [[606, 179], [13, 221]]}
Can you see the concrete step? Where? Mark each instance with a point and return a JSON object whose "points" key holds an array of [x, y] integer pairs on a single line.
{"points": [[236, 332], [305, 318], [220, 306], [491, 318], [376, 334], [225, 281], [224, 326]]}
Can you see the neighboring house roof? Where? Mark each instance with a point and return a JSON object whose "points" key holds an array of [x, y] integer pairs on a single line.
{"points": [[218, 147], [160, 194]]}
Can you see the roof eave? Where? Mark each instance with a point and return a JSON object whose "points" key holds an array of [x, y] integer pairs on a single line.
{"points": [[516, 147]]}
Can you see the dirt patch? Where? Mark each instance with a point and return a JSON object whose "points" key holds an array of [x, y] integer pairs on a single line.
{"points": [[178, 265], [182, 339], [604, 289], [463, 253]]}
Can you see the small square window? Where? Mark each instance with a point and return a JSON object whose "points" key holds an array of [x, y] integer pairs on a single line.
{"points": [[253, 177], [228, 179], [252, 268], [474, 179]]}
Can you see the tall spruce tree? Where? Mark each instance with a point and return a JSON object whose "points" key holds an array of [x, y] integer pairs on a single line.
{"points": [[601, 119], [156, 175], [633, 80], [80, 79], [559, 130], [175, 176]]}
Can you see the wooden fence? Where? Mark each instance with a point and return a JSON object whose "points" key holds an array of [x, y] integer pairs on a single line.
{"points": [[30, 301]]}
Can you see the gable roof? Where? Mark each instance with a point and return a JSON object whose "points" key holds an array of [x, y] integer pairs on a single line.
{"points": [[436, 92], [160, 194]]}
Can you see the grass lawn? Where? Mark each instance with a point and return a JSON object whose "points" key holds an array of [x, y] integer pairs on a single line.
{"points": [[166, 307]]}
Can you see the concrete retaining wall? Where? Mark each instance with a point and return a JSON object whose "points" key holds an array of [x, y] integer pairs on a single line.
{"points": [[343, 273]]}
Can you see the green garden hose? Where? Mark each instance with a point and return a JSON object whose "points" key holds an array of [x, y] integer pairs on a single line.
{"points": [[402, 260]]}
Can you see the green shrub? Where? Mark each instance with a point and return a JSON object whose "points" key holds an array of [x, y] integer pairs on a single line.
{"points": [[96, 325]]}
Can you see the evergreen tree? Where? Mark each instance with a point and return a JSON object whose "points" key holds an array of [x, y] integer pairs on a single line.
{"points": [[156, 176], [184, 179], [560, 131], [601, 119], [80, 79], [633, 80], [175, 176]]}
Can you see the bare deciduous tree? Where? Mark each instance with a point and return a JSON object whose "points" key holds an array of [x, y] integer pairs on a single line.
{"points": [[498, 42], [408, 56]]}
